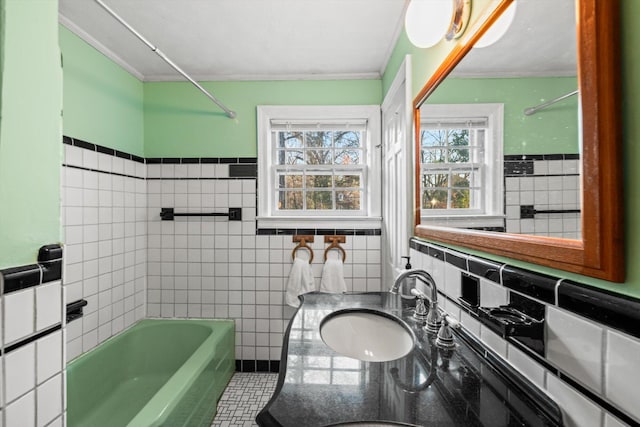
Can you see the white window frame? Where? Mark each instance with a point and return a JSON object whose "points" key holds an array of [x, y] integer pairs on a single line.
{"points": [[492, 214], [368, 217]]}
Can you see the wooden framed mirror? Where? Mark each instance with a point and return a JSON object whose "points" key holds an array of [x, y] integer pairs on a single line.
{"points": [[598, 250]]}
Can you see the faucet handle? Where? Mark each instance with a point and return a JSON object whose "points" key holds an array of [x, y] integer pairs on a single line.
{"points": [[419, 294], [421, 311], [444, 338]]}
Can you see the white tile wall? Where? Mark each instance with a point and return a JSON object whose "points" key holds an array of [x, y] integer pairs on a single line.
{"points": [[215, 268], [546, 192], [577, 410], [18, 315], [611, 421], [596, 357], [104, 225], [575, 345], [20, 376], [492, 294], [622, 376], [22, 412], [523, 363], [49, 400], [27, 368]]}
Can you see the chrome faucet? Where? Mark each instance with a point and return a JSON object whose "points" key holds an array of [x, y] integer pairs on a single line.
{"points": [[433, 317]]}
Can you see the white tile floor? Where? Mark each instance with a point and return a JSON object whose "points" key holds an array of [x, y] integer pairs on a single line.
{"points": [[246, 394]]}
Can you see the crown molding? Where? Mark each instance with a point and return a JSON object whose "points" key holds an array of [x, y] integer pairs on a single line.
{"points": [[68, 24]]}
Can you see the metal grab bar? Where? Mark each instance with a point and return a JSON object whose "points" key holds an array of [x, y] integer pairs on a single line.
{"points": [[231, 114], [234, 214], [528, 211]]}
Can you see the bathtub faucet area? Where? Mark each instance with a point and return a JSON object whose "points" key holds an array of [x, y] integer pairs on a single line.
{"points": [[433, 317]]}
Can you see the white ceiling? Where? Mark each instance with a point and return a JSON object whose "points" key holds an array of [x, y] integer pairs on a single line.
{"points": [[243, 39], [304, 39], [541, 41]]}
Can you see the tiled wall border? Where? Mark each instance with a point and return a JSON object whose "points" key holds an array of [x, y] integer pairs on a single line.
{"points": [[32, 379], [100, 149], [48, 269], [611, 310], [272, 366], [523, 164], [319, 231], [239, 168], [616, 311]]}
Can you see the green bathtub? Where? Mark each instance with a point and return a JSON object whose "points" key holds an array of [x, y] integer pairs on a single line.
{"points": [[157, 373]]}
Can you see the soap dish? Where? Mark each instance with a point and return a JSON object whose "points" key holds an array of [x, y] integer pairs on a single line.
{"points": [[509, 322]]}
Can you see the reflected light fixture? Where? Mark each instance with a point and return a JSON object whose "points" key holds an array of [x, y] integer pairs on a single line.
{"points": [[428, 21], [499, 28]]}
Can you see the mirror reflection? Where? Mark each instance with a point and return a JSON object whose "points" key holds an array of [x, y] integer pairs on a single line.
{"points": [[500, 137]]}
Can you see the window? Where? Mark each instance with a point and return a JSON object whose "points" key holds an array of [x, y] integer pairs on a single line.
{"points": [[461, 172], [319, 163]]}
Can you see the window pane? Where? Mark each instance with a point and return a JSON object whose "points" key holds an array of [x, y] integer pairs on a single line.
{"points": [[434, 199], [318, 181], [290, 200], [347, 139], [431, 180], [319, 157], [290, 181], [458, 137], [319, 200], [459, 155], [348, 200], [348, 157], [320, 139], [290, 157], [290, 139], [348, 181], [434, 138], [461, 179], [434, 156], [460, 199]]}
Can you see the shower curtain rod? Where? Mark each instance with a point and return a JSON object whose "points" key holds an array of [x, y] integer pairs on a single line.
{"points": [[532, 110], [231, 114]]}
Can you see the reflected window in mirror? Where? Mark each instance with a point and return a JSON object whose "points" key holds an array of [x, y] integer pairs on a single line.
{"points": [[565, 157], [535, 171], [461, 179]]}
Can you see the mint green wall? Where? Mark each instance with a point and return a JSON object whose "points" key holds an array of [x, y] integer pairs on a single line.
{"points": [[102, 102], [30, 130], [631, 136], [180, 121], [630, 37], [553, 130]]}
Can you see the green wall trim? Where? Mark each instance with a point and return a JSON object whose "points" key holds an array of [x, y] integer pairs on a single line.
{"points": [[180, 122]]}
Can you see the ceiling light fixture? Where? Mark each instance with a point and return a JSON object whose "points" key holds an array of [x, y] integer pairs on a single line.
{"points": [[499, 28], [429, 21]]}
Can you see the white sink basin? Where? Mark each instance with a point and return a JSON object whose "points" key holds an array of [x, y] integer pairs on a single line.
{"points": [[366, 335]]}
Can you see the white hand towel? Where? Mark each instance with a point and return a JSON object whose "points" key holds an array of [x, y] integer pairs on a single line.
{"points": [[333, 275], [300, 281]]}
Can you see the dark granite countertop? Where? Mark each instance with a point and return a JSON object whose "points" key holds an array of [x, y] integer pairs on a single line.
{"points": [[427, 387]]}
